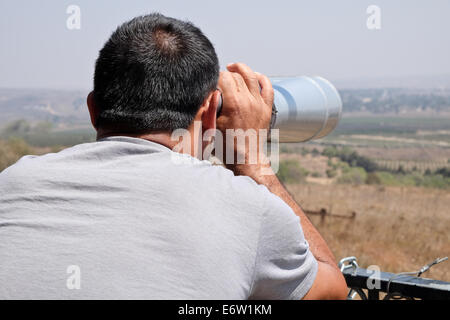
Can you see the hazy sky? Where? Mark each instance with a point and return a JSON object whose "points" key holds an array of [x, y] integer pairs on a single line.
{"points": [[316, 37]]}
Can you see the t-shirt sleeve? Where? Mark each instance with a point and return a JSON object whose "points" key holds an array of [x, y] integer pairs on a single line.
{"points": [[285, 267]]}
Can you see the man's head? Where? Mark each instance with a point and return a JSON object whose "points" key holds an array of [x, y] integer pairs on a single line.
{"points": [[152, 75]]}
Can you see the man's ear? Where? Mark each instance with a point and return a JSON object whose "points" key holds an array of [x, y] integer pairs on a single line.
{"points": [[93, 111], [209, 114]]}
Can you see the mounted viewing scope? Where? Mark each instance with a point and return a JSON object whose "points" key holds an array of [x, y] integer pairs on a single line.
{"points": [[305, 108]]}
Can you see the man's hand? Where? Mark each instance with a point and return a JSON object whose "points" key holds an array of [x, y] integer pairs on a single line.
{"points": [[247, 104]]}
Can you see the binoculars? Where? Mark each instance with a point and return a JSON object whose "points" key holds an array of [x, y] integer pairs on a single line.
{"points": [[305, 108]]}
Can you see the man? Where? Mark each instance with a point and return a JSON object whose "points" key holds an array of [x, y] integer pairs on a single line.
{"points": [[120, 218]]}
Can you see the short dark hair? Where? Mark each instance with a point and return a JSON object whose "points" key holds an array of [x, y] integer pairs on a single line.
{"points": [[153, 74]]}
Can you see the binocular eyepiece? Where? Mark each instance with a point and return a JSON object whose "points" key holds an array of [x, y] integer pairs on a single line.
{"points": [[305, 108]]}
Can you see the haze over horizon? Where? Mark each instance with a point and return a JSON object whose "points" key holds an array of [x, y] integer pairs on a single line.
{"points": [[283, 38]]}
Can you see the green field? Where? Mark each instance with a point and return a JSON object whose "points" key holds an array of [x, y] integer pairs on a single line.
{"points": [[391, 132], [398, 126]]}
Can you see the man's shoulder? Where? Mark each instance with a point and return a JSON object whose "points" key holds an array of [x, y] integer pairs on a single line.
{"points": [[214, 178], [217, 175], [20, 166], [69, 162]]}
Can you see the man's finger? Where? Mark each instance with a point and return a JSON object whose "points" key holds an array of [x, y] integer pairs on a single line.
{"points": [[240, 83], [248, 75], [226, 84], [266, 88]]}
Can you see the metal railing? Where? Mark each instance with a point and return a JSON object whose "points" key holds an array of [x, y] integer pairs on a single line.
{"points": [[395, 286]]}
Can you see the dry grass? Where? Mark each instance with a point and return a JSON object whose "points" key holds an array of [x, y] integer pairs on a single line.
{"points": [[398, 229], [13, 149]]}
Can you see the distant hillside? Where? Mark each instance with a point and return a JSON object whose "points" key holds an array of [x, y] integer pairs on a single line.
{"points": [[396, 100], [435, 82], [67, 109], [37, 105]]}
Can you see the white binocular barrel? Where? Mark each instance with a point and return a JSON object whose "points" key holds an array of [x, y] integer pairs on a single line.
{"points": [[307, 108]]}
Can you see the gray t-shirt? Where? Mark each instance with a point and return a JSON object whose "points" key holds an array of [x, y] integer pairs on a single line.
{"points": [[122, 218]]}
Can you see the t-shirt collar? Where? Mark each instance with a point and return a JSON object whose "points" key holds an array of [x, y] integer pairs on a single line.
{"points": [[134, 140]]}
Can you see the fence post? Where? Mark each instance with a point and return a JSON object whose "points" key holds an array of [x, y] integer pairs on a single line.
{"points": [[323, 213]]}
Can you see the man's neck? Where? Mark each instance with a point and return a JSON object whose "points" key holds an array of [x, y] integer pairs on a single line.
{"points": [[162, 138]]}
